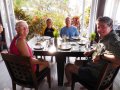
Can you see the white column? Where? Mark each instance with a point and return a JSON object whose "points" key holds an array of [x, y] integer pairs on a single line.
{"points": [[82, 19], [12, 17], [93, 13], [7, 19]]}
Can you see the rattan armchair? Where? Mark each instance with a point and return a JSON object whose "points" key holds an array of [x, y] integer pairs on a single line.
{"points": [[105, 80], [22, 73]]}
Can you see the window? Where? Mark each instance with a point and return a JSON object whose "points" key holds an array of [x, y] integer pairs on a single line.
{"points": [[112, 9]]}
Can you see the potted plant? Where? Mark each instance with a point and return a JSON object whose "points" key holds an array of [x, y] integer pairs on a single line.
{"points": [[92, 38], [56, 34]]}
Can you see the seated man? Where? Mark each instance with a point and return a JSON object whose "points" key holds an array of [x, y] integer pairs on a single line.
{"points": [[69, 30], [107, 50]]}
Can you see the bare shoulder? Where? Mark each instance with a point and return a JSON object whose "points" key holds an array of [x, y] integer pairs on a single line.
{"points": [[21, 41]]}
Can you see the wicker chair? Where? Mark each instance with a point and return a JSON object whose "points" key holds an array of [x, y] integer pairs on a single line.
{"points": [[21, 72], [105, 80]]}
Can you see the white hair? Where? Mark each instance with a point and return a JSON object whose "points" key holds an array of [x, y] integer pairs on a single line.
{"points": [[20, 23]]}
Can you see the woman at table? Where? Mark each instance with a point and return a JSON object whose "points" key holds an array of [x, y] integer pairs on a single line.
{"points": [[49, 28], [19, 45], [76, 22]]}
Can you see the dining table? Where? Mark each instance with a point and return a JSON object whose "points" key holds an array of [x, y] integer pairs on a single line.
{"points": [[46, 47]]}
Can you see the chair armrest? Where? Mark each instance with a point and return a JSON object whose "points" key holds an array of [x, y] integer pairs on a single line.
{"points": [[107, 76]]}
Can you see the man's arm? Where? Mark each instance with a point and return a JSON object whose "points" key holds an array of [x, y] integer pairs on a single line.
{"points": [[112, 58], [108, 57]]}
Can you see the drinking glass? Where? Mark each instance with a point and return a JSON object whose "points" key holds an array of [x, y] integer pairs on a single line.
{"points": [[64, 37], [87, 46], [37, 36]]}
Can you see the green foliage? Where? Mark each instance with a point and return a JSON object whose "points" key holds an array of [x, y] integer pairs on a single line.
{"points": [[37, 11], [37, 20], [66, 1], [18, 3], [21, 15], [87, 16], [34, 24]]}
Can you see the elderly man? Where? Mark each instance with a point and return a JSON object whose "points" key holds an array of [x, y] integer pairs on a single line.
{"points": [[108, 49], [69, 30]]}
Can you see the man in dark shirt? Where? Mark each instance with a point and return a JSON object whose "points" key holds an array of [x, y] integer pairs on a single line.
{"points": [[107, 50]]}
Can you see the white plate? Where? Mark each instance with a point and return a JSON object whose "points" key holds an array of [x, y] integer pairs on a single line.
{"points": [[38, 47], [76, 38], [65, 47], [81, 43], [46, 37]]}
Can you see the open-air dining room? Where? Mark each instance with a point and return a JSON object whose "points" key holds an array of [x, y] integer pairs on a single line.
{"points": [[59, 44]]}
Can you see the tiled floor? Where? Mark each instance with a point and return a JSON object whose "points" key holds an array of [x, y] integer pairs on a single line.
{"points": [[5, 80]]}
